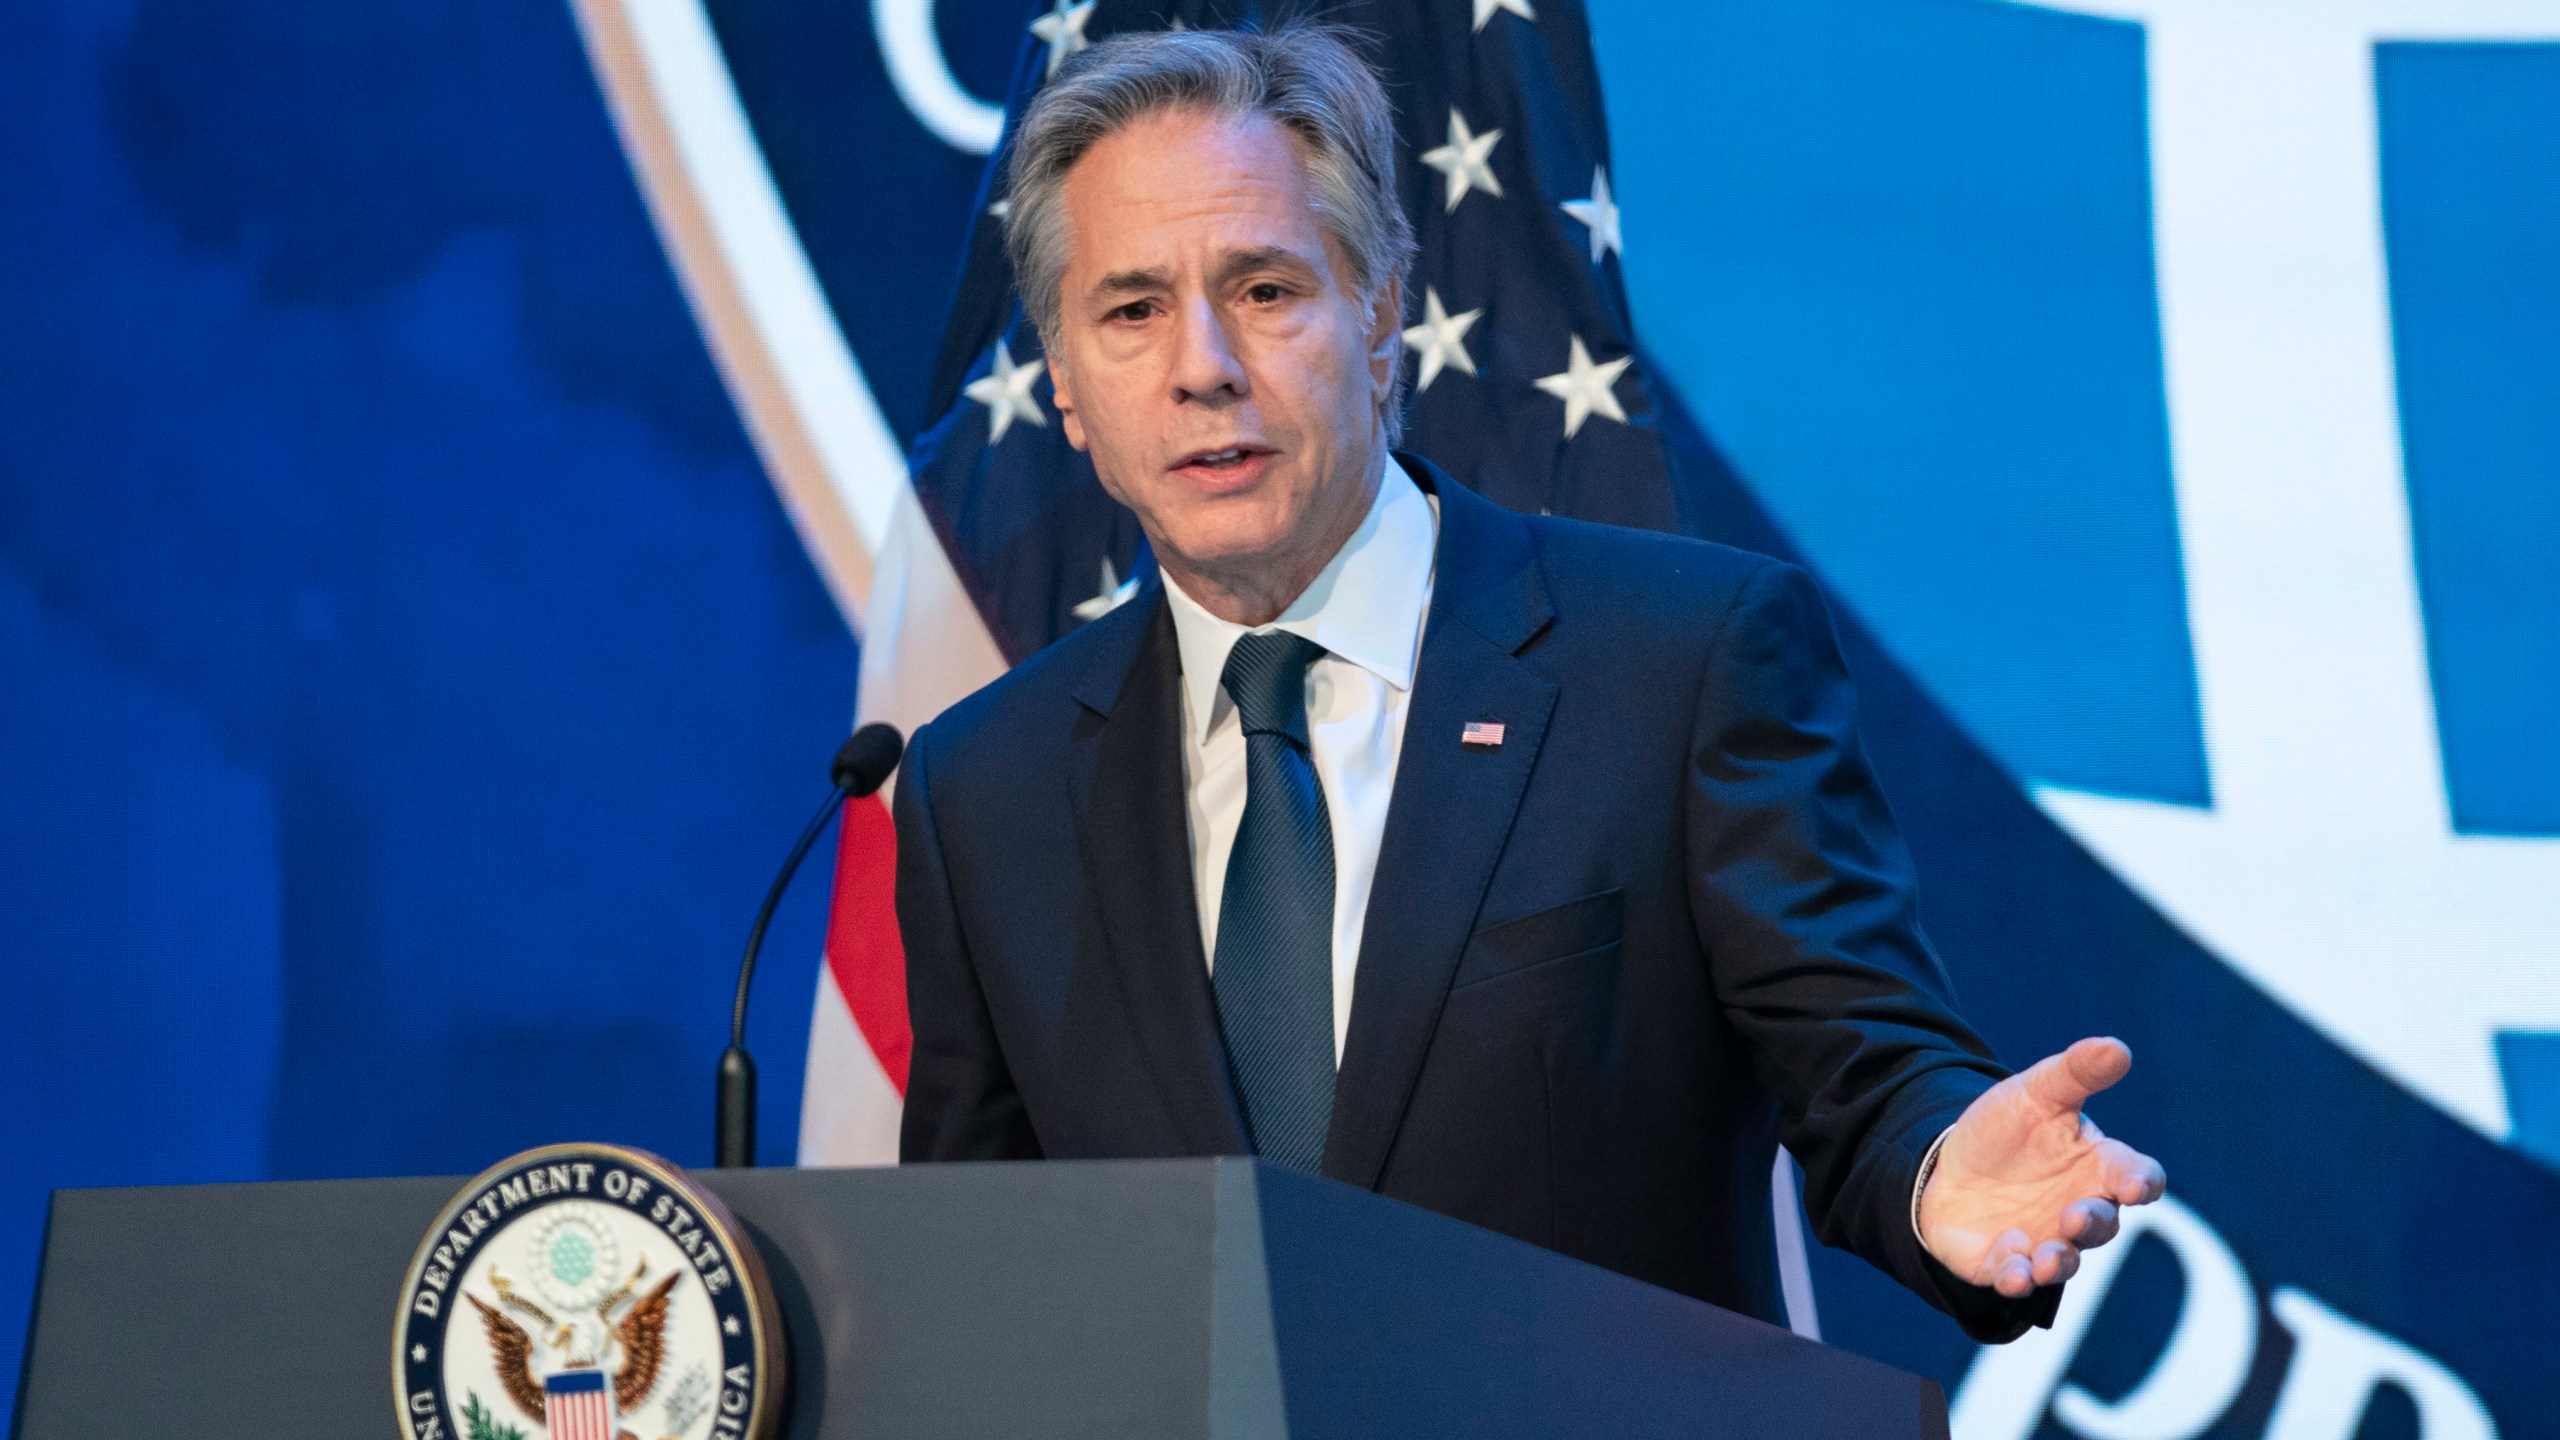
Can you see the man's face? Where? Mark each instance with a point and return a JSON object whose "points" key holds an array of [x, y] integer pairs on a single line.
{"points": [[1212, 354]]}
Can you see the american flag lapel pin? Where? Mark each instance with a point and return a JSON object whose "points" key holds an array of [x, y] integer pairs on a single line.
{"points": [[1481, 735]]}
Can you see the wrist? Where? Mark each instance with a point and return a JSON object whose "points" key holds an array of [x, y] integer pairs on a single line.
{"points": [[1920, 1183]]}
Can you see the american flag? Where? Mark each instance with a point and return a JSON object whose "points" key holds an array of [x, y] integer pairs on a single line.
{"points": [[576, 1406], [1524, 384], [1482, 733]]}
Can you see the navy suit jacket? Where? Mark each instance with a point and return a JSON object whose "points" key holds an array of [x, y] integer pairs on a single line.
{"points": [[1606, 968]]}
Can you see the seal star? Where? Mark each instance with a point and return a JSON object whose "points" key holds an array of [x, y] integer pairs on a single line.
{"points": [[1600, 212], [1485, 9], [418, 1353], [1006, 392], [1062, 29], [1585, 387], [1463, 160], [729, 1325], [1442, 339]]}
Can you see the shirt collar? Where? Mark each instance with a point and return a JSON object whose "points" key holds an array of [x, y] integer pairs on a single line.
{"points": [[1365, 606]]}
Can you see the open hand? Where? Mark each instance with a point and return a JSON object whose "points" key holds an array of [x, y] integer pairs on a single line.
{"points": [[2025, 1182]]}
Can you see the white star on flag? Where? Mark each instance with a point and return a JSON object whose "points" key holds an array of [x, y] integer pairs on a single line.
{"points": [[1463, 160], [1585, 388], [1114, 593], [1006, 392], [1600, 212], [1485, 9], [1001, 209], [1442, 339], [1062, 30]]}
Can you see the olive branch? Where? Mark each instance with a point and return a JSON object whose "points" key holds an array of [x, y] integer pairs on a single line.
{"points": [[484, 1425]]}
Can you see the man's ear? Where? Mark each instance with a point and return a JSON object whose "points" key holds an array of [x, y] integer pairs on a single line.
{"points": [[1064, 398], [1386, 331]]}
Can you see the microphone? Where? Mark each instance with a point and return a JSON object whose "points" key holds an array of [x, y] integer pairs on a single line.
{"points": [[862, 764]]}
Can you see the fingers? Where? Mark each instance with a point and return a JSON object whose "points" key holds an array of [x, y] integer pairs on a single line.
{"points": [[2055, 1262], [2129, 1176], [2017, 1271], [2011, 1269], [2017, 1266], [2090, 1223], [2066, 1081]]}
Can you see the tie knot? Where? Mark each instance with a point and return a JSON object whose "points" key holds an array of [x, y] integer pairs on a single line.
{"points": [[1267, 678]]}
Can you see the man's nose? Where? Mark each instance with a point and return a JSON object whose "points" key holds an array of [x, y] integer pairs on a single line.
{"points": [[1205, 368]]}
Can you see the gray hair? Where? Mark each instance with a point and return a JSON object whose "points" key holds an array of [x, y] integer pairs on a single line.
{"points": [[1306, 78]]}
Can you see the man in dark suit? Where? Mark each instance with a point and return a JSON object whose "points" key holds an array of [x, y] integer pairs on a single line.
{"points": [[1523, 869]]}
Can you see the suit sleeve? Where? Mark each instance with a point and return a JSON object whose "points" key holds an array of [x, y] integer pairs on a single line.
{"points": [[1803, 893], [961, 1100]]}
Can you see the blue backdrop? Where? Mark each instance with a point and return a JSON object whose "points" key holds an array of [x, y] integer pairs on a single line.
{"points": [[408, 679]]}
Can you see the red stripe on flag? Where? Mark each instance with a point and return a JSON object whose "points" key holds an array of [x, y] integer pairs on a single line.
{"points": [[863, 949]]}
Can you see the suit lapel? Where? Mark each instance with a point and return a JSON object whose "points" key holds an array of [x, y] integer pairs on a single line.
{"points": [[1125, 779], [1449, 816]]}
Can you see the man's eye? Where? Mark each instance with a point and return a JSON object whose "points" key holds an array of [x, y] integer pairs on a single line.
{"points": [[1266, 293], [1135, 310]]}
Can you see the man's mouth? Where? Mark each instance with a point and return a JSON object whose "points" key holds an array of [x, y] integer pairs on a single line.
{"points": [[1230, 469], [1229, 458]]}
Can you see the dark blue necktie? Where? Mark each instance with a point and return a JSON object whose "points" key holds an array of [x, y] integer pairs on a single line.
{"points": [[1274, 970]]}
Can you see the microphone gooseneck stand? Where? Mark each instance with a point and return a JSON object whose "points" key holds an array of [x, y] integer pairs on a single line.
{"points": [[862, 764]]}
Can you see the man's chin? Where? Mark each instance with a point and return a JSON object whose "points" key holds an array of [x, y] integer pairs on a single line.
{"points": [[1229, 530], [1227, 555]]}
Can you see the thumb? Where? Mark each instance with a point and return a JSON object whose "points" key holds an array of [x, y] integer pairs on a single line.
{"points": [[2066, 1081]]}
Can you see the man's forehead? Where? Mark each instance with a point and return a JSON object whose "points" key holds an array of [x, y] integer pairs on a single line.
{"points": [[1170, 185], [1191, 139]]}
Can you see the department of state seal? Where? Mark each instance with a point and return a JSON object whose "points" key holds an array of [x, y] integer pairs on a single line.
{"points": [[587, 1292]]}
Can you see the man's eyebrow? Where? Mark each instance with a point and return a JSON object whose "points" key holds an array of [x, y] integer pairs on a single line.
{"points": [[1264, 257], [1237, 262], [1131, 282]]}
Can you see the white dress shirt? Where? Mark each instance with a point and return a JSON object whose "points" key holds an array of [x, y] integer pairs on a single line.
{"points": [[1366, 609]]}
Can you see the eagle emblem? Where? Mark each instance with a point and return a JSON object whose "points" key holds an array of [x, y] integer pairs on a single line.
{"points": [[634, 1345], [587, 1292]]}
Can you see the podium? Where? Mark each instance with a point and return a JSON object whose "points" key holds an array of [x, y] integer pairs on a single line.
{"points": [[1218, 1299]]}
